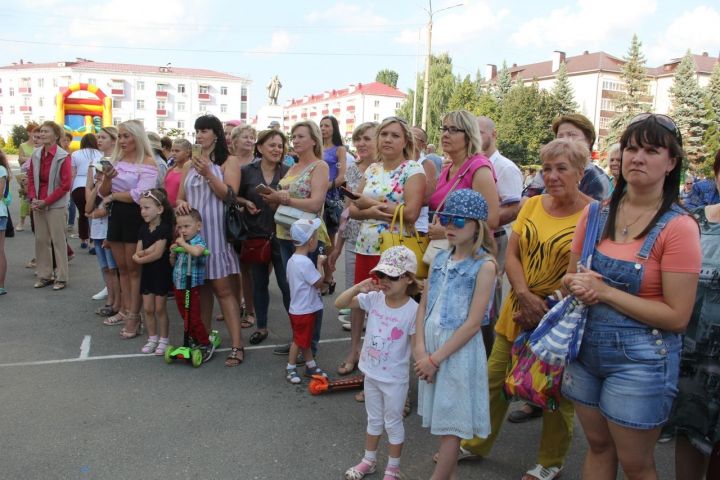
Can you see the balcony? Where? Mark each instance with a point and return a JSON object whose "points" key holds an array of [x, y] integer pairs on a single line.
{"points": [[243, 98], [336, 111], [325, 112], [203, 97], [350, 108], [117, 92], [161, 112], [161, 94], [25, 91], [25, 109]]}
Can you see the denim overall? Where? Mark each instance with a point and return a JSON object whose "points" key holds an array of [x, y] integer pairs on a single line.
{"points": [[626, 368]]}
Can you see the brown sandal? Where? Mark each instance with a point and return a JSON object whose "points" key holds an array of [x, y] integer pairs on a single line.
{"points": [[233, 360]]}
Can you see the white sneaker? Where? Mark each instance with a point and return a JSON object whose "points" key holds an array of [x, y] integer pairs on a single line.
{"points": [[344, 318], [101, 295]]}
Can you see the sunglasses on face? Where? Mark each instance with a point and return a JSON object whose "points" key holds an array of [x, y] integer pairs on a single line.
{"points": [[451, 130], [383, 276], [445, 220], [663, 120]]}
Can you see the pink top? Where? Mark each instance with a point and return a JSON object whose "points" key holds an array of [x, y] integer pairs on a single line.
{"points": [[172, 184], [134, 178], [677, 249], [467, 170]]}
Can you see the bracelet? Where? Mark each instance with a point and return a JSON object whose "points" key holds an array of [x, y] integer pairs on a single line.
{"points": [[431, 362]]}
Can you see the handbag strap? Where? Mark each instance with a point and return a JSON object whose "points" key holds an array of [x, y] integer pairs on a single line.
{"points": [[591, 231], [454, 185]]}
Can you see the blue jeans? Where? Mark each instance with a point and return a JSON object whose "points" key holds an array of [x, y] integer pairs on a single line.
{"points": [[261, 278], [72, 210], [286, 251]]}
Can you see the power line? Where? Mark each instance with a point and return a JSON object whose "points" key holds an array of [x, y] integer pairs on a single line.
{"points": [[203, 50]]}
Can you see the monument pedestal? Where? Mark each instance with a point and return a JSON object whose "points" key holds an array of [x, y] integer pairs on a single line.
{"points": [[270, 113]]}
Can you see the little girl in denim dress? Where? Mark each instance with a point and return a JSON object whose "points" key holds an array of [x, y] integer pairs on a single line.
{"points": [[449, 351]]}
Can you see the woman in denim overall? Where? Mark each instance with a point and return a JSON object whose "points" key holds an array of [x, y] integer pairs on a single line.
{"points": [[625, 378]]}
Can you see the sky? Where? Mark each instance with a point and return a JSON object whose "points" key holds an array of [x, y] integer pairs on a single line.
{"points": [[317, 45]]}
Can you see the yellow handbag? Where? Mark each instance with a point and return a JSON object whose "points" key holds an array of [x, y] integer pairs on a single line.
{"points": [[393, 237]]}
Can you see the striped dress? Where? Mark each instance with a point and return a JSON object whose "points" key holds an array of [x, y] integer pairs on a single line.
{"points": [[223, 260]]}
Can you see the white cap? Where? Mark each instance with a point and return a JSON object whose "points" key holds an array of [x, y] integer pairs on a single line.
{"points": [[303, 229]]}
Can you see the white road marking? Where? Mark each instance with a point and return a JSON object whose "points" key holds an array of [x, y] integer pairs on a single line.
{"points": [[138, 355], [85, 347]]}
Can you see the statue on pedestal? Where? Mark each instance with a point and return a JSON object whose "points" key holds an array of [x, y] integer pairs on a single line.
{"points": [[273, 89]]}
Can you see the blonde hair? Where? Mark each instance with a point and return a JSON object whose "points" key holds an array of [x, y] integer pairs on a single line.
{"points": [[484, 241], [465, 120], [314, 135], [239, 130], [577, 153], [111, 131], [183, 144], [409, 148], [361, 129], [142, 144]]}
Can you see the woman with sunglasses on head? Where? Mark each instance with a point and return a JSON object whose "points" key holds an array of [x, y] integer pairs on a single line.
{"points": [[537, 257], [212, 177], [640, 292], [132, 172]]}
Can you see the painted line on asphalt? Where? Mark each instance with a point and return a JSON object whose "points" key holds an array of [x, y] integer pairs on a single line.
{"points": [[85, 347], [140, 355]]}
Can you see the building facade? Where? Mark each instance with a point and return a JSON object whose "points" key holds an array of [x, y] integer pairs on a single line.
{"points": [[597, 82], [351, 106], [162, 97]]}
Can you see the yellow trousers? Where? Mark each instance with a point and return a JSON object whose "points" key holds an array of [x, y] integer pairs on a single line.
{"points": [[557, 428]]}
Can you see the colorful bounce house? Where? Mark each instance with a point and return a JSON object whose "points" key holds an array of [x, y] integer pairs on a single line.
{"points": [[81, 109]]}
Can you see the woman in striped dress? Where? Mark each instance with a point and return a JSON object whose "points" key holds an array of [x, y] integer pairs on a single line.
{"points": [[204, 187]]}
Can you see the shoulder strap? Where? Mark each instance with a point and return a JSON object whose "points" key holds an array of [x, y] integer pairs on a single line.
{"points": [[591, 232], [454, 185]]}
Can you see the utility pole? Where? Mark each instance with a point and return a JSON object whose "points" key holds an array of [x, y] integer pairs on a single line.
{"points": [[415, 93], [426, 85]]}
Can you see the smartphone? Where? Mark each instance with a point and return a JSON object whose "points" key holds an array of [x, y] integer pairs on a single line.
{"points": [[348, 193], [196, 150], [106, 164], [262, 188]]}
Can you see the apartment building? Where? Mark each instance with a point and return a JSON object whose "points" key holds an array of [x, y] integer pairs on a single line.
{"points": [[162, 97]]}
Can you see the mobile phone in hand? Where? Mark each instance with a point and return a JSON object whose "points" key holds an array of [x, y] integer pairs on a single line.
{"points": [[196, 150], [264, 189], [348, 193], [106, 164]]}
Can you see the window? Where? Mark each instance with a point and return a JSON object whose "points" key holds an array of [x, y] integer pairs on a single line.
{"points": [[243, 107], [377, 103], [612, 85], [243, 91], [161, 125], [223, 90], [181, 124], [117, 121], [203, 89], [203, 107], [12, 109], [161, 87], [376, 117], [140, 105], [161, 104], [117, 103], [223, 108], [605, 122], [26, 101], [41, 82], [607, 104], [117, 84], [181, 88], [140, 85], [11, 92], [41, 102], [92, 81], [397, 104], [180, 106], [26, 118], [55, 82]]}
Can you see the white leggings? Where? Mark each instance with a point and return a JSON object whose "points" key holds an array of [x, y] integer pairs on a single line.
{"points": [[384, 403]]}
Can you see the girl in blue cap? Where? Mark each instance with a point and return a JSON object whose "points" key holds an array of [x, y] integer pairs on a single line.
{"points": [[451, 360]]}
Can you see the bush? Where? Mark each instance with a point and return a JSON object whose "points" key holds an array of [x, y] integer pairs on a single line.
{"points": [[10, 148], [19, 135]]}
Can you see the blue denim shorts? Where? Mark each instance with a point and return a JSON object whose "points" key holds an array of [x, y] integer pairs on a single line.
{"points": [[104, 256], [631, 375], [3, 223]]}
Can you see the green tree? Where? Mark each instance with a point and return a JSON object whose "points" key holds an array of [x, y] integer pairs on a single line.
{"points": [[688, 108], [524, 121], [388, 77], [10, 148], [488, 106], [503, 84], [19, 134], [635, 99], [465, 96], [562, 92], [442, 85], [712, 103]]}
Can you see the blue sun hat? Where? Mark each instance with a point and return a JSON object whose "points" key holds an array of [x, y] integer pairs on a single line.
{"points": [[466, 203]]}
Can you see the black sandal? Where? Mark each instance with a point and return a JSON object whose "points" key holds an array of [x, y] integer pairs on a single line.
{"points": [[258, 337], [233, 360]]}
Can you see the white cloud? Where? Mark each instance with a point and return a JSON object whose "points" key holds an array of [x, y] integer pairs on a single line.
{"points": [[280, 42], [346, 14], [695, 29], [459, 25], [586, 24]]}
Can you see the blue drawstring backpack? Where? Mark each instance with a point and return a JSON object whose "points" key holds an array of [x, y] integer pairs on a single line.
{"points": [[557, 338]]}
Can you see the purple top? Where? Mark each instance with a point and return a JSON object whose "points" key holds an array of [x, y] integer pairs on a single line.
{"points": [[330, 157], [134, 178]]}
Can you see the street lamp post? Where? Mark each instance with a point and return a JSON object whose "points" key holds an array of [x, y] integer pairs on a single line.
{"points": [[426, 84]]}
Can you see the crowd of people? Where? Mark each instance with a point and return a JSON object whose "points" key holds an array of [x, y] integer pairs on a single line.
{"points": [[156, 213]]}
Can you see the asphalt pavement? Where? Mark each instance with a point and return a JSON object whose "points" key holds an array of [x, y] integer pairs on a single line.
{"points": [[78, 402]]}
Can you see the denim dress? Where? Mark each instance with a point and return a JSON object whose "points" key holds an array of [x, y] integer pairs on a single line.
{"points": [[626, 368], [457, 402]]}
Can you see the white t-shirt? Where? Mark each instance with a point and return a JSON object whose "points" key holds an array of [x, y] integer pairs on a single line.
{"points": [[301, 276], [98, 228], [422, 225], [509, 179], [385, 354], [81, 161]]}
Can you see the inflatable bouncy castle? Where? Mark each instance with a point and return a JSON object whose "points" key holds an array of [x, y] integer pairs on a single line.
{"points": [[81, 109]]}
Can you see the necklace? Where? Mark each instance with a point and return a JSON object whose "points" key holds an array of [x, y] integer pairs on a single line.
{"points": [[624, 230]]}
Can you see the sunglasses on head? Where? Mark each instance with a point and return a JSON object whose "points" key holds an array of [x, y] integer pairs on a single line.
{"points": [[382, 276], [445, 220], [149, 194], [663, 120]]}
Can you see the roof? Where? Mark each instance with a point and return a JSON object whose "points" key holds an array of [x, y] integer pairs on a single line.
{"points": [[373, 88], [602, 61], [89, 65]]}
